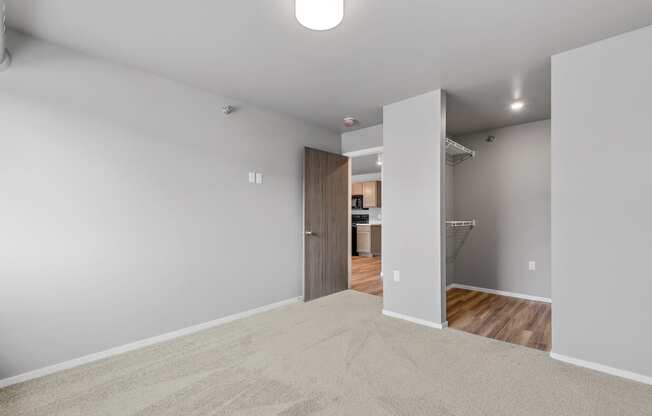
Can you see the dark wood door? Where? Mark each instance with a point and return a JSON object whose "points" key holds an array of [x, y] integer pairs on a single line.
{"points": [[327, 204]]}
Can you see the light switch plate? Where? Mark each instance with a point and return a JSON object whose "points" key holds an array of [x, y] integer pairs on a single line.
{"points": [[252, 177], [397, 276], [259, 178], [532, 265]]}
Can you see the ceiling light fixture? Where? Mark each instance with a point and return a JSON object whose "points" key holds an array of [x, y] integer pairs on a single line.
{"points": [[517, 105], [319, 14]]}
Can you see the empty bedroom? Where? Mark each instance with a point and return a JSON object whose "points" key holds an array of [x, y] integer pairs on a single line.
{"points": [[325, 207]]}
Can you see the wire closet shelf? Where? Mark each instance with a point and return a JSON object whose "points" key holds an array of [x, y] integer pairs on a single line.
{"points": [[457, 232], [457, 153]]}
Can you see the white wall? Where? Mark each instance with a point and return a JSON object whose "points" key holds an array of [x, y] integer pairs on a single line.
{"points": [[362, 139], [367, 177], [365, 165], [601, 202], [125, 209], [413, 167], [506, 189]]}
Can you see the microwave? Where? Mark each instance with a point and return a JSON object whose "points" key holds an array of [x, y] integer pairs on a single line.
{"points": [[356, 202]]}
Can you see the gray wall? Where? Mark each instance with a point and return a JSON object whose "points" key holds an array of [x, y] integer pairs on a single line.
{"points": [[126, 211], [449, 214], [362, 139], [413, 133], [601, 202], [506, 188]]}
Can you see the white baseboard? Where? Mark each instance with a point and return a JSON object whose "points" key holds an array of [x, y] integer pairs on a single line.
{"points": [[603, 368], [140, 344], [415, 320], [500, 292]]}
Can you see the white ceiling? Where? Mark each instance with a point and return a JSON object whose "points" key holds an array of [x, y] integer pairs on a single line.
{"points": [[363, 165], [484, 53]]}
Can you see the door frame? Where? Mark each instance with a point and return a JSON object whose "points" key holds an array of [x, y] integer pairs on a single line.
{"points": [[353, 154], [356, 153], [350, 228]]}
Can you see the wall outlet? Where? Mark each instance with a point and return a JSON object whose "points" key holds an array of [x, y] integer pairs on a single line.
{"points": [[259, 178], [397, 276], [532, 265], [252, 177]]}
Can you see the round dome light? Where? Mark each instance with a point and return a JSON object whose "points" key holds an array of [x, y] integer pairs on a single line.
{"points": [[319, 14]]}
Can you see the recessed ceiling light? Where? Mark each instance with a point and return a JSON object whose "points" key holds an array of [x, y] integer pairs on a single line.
{"points": [[319, 14], [517, 105]]}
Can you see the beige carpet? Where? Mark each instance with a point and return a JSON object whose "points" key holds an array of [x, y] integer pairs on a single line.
{"points": [[334, 356]]}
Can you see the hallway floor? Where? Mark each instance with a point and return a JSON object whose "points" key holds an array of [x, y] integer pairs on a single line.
{"points": [[365, 275], [517, 321]]}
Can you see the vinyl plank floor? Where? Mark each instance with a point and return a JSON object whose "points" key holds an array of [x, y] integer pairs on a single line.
{"points": [[517, 321], [365, 275], [512, 320]]}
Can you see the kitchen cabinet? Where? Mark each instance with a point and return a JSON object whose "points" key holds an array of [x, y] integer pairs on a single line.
{"points": [[371, 194], [368, 240], [364, 240], [357, 189]]}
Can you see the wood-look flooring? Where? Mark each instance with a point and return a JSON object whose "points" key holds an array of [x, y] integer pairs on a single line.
{"points": [[513, 320], [365, 275]]}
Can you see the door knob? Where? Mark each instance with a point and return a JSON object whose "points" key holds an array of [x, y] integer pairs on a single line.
{"points": [[309, 233]]}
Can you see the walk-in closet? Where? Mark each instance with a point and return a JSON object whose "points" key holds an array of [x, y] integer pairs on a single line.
{"points": [[497, 199]]}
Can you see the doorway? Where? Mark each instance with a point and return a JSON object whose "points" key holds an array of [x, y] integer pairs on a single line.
{"points": [[497, 222], [366, 221]]}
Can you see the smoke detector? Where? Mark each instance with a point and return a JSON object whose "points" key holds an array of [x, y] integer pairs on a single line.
{"points": [[228, 109], [350, 122]]}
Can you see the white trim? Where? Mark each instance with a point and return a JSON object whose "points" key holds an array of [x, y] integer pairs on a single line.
{"points": [[140, 344], [603, 368], [364, 152], [303, 224], [500, 292], [415, 320], [349, 245]]}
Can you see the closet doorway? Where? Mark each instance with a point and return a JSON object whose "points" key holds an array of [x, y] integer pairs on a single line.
{"points": [[497, 216]]}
